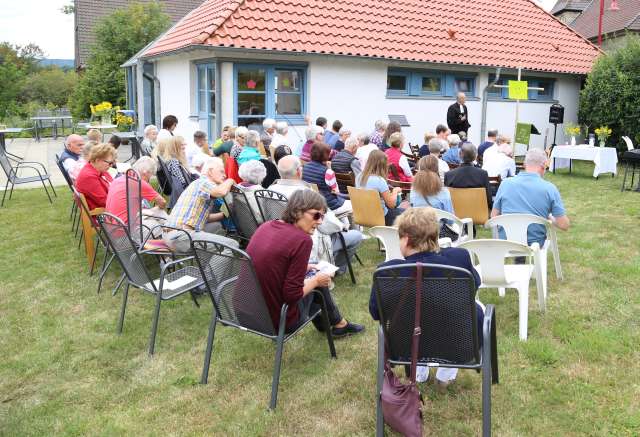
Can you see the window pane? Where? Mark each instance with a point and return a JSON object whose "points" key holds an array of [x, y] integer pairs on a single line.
{"points": [[251, 104], [548, 89], [251, 123], [463, 85], [288, 104], [431, 84], [212, 102], [201, 78], [396, 82], [287, 80], [211, 72], [251, 79], [202, 101]]}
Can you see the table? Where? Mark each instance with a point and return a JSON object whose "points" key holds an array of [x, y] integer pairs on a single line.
{"points": [[133, 141], [10, 130], [37, 123], [604, 158]]}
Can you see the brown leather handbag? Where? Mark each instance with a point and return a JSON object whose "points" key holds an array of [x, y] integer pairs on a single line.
{"points": [[401, 403]]}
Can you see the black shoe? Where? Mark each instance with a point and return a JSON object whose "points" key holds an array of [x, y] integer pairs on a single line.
{"points": [[348, 329]]}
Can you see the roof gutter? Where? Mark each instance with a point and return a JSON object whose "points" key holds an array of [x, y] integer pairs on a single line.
{"points": [[485, 93]]}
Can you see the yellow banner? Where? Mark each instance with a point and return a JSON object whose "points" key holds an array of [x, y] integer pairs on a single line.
{"points": [[518, 89]]}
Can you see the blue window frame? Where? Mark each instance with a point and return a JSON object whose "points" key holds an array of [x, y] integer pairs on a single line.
{"points": [[536, 82], [401, 82], [206, 96], [269, 91]]}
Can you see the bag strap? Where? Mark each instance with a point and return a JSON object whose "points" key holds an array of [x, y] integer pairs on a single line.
{"points": [[416, 325]]}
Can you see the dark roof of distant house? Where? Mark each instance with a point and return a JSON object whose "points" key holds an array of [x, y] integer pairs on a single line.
{"points": [[570, 5], [459, 32], [89, 12], [627, 18]]}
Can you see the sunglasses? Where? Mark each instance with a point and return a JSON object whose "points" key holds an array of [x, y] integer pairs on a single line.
{"points": [[316, 215]]}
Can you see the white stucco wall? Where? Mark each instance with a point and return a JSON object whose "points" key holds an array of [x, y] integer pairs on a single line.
{"points": [[354, 91]]}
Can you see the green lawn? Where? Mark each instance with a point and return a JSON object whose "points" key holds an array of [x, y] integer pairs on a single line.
{"points": [[65, 371]]}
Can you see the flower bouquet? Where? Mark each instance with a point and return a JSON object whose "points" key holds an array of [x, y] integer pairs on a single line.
{"points": [[603, 132], [104, 112], [124, 122], [572, 130]]}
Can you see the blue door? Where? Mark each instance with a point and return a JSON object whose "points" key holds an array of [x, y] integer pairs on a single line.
{"points": [[206, 99]]}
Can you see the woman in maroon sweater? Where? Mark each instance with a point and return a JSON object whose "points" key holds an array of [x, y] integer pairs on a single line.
{"points": [[280, 252]]}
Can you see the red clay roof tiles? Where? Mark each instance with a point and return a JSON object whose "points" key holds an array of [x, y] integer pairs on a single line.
{"points": [[506, 33]]}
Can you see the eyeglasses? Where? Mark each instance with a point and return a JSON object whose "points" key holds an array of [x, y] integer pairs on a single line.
{"points": [[316, 215], [108, 162]]}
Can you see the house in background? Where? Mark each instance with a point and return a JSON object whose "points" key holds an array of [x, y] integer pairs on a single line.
{"points": [[233, 62], [88, 12], [617, 25]]}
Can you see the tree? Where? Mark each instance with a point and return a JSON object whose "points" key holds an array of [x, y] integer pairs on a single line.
{"points": [[16, 63], [49, 86], [119, 36], [611, 96]]}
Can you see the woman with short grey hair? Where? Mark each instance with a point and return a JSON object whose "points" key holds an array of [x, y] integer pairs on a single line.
{"points": [[150, 139], [252, 174], [250, 150]]}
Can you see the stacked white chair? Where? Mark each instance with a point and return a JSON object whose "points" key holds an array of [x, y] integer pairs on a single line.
{"points": [[390, 240]]}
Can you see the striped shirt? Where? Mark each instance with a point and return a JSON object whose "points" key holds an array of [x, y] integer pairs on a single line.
{"points": [[193, 206]]}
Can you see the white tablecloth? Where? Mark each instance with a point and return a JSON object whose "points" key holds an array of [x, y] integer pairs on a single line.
{"points": [[604, 158]]}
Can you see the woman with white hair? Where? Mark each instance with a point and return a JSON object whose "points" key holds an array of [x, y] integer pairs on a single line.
{"points": [[150, 139], [252, 174], [501, 163], [239, 141], [313, 134], [452, 155], [250, 150], [280, 137], [268, 129]]}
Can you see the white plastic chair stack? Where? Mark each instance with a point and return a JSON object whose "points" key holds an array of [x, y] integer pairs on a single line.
{"points": [[494, 273], [390, 240], [515, 227], [463, 227]]}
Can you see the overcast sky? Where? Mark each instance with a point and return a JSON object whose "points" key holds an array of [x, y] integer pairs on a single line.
{"points": [[42, 23]]}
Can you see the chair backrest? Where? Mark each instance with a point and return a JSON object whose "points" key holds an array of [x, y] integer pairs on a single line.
{"points": [[516, 225], [64, 173], [134, 205], [6, 165], [345, 180], [367, 209], [390, 239], [406, 186], [495, 182], [491, 255], [470, 202], [449, 332], [242, 214], [270, 204], [272, 173], [234, 286], [628, 142], [393, 172], [117, 235], [163, 177]]}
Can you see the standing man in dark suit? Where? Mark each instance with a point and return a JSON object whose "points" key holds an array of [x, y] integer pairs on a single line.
{"points": [[458, 116], [468, 175]]}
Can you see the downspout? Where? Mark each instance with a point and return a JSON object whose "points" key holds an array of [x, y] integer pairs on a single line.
{"points": [[485, 92], [156, 95]]}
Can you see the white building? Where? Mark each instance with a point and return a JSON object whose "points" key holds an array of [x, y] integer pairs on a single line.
{"points": [[233, 62]]}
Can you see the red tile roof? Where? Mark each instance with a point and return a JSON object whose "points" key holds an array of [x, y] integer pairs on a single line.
{"points": [[628, 17], [506, 33]]}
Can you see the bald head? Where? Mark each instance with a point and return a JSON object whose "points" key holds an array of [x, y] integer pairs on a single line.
{"points": [[288, 167], [461, 98], [468, 153], [75, 143]]}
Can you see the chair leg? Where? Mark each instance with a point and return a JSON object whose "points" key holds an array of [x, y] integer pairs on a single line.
{"points": [[154, 324], [46, 191], [117, 287], [501, 291], [523, 310], [486, 387], [95, 255], [193, 298], [346, 256], [327, 326], [125, 295], [105, 266], [52, 189], [379, 378], [276, 367], [207, 355], [11, 191], [355, 255], [556, 260], [81, 238], [4, 193]]}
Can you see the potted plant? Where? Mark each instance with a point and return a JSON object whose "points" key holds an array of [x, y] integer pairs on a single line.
{"points": [[572, 130], [603, 132]]}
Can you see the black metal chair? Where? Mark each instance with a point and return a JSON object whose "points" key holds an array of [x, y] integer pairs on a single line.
{"points": [[171, 283], [242, 214], [238, 302], [272, 205], [11, 171], [74, 213], [449, 332]]}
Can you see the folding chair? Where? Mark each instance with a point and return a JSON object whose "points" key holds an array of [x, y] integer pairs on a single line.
{"points": [[449, 327], [169, 285], [73, 214], [238, 302], [495, 273], [11, 171]]}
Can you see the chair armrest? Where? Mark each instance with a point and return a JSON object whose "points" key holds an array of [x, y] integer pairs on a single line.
{"points": [[96, 211], [21, 165], [489, 338], [445, 242], [163, 269], [468, 224], [34, 163]]}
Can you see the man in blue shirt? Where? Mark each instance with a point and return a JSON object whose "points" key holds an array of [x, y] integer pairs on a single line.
{"points": [[528, 193], [332, 136], [491, 140]]}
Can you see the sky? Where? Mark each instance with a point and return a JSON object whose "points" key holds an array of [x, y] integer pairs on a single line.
{"points": [[41, 22]]}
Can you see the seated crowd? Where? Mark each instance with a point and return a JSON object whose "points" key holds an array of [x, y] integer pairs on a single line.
{"points": [[318, 217]]}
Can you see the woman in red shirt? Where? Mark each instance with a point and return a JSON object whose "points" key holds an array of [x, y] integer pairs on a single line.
{"points": [[93, 180]]}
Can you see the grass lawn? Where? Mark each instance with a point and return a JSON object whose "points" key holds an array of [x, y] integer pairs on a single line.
{"points": [[65, 371]]}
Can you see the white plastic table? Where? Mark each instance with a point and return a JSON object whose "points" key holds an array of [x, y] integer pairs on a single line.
{"points": [[604, 158]]}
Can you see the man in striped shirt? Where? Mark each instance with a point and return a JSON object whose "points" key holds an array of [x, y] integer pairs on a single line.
{"points": [[193, 210]]}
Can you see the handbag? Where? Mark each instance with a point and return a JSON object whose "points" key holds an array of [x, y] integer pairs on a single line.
{"points": [[401, 403], [445, 230]]}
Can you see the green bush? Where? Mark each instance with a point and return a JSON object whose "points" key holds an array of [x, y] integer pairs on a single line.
{"points": [[611, 95], [49, 86]]}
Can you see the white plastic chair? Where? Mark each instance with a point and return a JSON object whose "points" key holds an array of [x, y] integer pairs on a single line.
{"points": [[629, 143], [463, 227], [390, 240], [494, 273], [515, 227]]}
